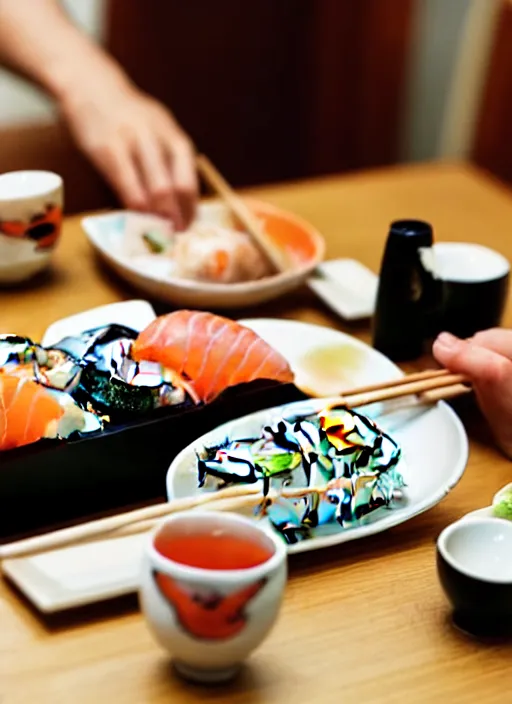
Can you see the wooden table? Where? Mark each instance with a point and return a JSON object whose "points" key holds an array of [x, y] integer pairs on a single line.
{"points": [[364, 622]]}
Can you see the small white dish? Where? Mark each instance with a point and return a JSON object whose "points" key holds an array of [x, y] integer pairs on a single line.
{"points": [[348, 287], [76, 576], [153, 273]]}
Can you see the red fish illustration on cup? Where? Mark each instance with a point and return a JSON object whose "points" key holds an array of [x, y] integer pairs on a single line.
{"points": [[43, 228], [215, 617]]}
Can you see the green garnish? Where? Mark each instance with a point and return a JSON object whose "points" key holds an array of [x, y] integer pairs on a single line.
{"points": [[272, 464], [503, 508], [156, 243]]}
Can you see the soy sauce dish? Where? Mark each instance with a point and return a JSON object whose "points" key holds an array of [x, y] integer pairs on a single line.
{"points": [[474, 564]]}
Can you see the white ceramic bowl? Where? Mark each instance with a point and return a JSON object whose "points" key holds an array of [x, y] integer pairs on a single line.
{"points": [[150, 273]]}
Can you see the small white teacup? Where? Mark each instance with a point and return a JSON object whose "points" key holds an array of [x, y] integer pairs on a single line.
{"points": [[31, 205], [211, 589]]}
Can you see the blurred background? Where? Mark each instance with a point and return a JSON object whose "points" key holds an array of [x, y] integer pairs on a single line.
{"points": [[311, 87]]}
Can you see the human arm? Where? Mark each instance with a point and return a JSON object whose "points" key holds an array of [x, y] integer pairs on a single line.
{"points": [[132, 139]]}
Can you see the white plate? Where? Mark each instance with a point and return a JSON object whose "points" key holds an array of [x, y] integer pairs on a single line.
{"points": [[430, 469], [324, 360], [77, 576], [348, 287], [152, 273], [134, 314]]}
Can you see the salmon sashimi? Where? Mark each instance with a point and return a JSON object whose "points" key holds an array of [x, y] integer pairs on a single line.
{"points": [[28, 412], [211, 351]]}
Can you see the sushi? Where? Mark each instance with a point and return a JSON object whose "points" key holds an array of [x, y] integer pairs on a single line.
{"points": [[218, 255], [28, 412], [210, 351], [112, 375]]}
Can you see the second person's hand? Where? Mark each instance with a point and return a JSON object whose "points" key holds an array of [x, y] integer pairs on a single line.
{"points": [[486, 359], [137, 145]]}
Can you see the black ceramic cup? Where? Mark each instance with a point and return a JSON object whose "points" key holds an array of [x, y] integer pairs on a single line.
{"points": [[474, 564], [472, 287]]}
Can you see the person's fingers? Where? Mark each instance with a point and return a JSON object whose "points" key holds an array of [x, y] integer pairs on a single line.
{"points": [[480, 364], [497, 339], [117, 165], [157, 178], [491, 376], [184, 177]]}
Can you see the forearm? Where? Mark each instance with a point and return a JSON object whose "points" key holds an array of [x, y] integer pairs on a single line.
{"points": [[38, 40], [131, 138]]}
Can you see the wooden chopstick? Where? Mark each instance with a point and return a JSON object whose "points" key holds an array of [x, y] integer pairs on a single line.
{"points": [[445, 394], [250, 222], [104, 526], [137, 521], [403, 388], [406, 379]]}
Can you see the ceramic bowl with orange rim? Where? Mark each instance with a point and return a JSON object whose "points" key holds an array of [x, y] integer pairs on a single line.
{"points": [[124, 240]]}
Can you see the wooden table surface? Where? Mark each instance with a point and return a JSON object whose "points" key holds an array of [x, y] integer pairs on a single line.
{"points": [[364, 622]]}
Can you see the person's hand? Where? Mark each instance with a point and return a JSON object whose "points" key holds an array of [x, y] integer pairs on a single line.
{"points": [[486, 359], [137, 145]]}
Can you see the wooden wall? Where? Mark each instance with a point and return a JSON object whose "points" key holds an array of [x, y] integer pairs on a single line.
{"points": [[492, 148], [271, 89]]}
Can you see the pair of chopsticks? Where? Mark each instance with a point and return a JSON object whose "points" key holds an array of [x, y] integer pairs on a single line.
{"points": [[429, 386], [275, 255], [144, 519]]}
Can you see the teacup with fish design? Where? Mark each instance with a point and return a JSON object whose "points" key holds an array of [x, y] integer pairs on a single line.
{"points": [[30, 222], [211, 589]]}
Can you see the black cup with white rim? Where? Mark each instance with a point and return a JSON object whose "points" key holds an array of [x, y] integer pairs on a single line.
{"points": [[472, 282], [427, 288], [474, 564]]}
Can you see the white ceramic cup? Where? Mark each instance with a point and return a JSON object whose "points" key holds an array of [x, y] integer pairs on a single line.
{"points": [[31, 205], [473, 285], [210, 620]]}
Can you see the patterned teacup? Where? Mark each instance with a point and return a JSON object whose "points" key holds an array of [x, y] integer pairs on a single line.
{"points": [[211, 588], [30, 222]]}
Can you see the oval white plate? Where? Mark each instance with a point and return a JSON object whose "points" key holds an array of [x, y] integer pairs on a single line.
{"points": [[430, 469], [153, 275]]}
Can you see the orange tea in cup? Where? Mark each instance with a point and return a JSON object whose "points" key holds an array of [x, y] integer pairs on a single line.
{"points": [[213, 551]]}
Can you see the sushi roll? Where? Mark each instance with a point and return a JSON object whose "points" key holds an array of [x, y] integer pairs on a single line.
{"points": [[29, 412]]}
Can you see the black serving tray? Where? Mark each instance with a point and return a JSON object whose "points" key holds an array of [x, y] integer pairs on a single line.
{"points": [[54, 483]]}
